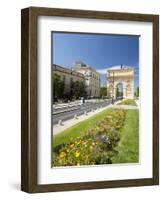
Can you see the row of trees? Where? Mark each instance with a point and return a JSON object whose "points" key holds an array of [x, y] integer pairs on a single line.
{"points": [[67, 92], [77, 89]]}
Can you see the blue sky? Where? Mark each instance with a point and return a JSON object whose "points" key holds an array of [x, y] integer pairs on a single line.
{"points": [[97, 50]]}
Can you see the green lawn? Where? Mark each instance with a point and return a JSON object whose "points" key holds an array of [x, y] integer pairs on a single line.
{"points": [[77, 130], [130, 102], [128, 148]]}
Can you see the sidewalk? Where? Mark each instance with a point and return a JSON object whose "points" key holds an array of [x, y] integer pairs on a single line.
{"points": [[59, 128]]}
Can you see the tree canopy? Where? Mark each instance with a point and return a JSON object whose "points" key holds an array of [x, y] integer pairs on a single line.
{"points": [[103, 91], [75, 90]]}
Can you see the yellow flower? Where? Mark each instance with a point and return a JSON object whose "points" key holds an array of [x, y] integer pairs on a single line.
{"points": [[78, 142], [77, 154], [62, 154], [71, 145], [78, 164]]}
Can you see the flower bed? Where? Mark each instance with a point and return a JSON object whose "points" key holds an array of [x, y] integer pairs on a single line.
{"points": [[96, 146]]}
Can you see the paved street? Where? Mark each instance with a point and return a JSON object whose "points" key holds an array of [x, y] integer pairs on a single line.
{"points": [[68, 112], [57, 128]]}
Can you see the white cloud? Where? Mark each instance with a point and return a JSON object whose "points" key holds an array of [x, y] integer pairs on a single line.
{"points": [[102, 71]]}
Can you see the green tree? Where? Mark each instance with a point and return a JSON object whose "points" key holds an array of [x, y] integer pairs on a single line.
{"points": [[67, 92], [137, 92], [58, 86], [103, 91], [78, 89]]}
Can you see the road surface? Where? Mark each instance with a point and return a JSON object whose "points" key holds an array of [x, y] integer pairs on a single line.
{"points": [[70, 112]]}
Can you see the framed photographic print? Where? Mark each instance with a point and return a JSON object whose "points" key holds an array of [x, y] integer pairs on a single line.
{"points": [[90, 99]]}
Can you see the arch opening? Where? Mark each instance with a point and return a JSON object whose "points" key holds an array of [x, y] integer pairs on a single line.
{"points": [[119, 91]]}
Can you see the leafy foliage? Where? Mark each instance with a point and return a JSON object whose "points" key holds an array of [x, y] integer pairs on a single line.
{"points": [[137, 92], [96, 146], [58, 86], [103, 91], [78, 89], [74, 90]]}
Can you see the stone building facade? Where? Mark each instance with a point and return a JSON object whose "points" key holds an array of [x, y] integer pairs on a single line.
{"points": [[123, 75], [91, 76], [68, 76]]}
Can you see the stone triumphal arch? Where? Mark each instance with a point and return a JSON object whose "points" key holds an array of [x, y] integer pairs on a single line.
{"points": [[120, 81]]}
